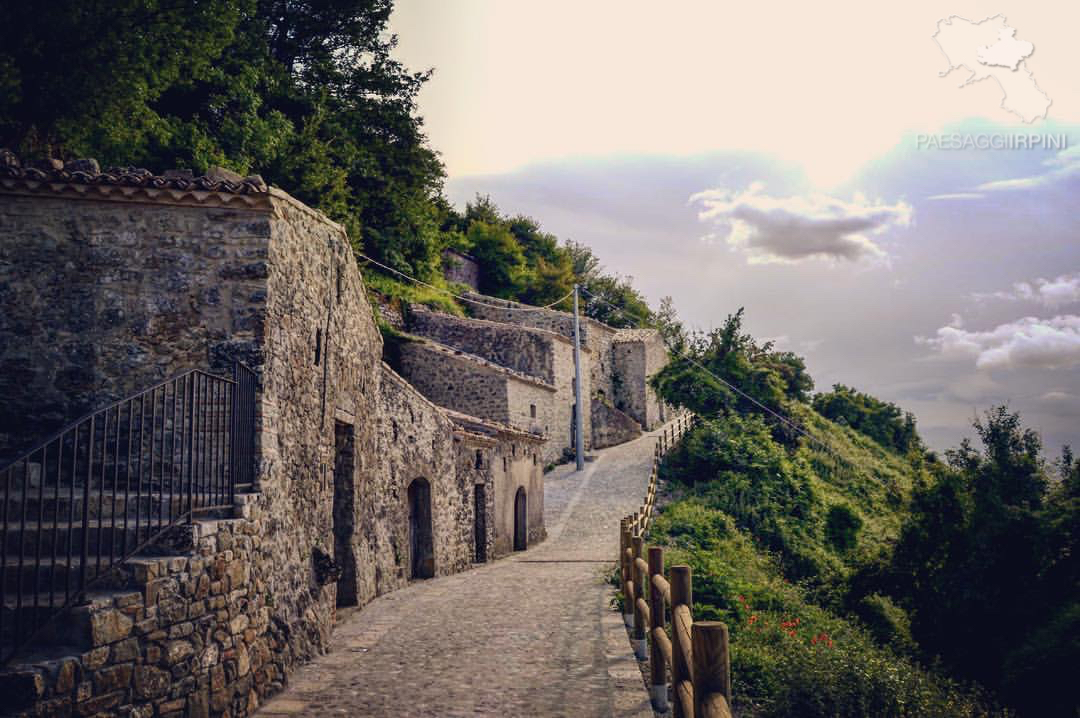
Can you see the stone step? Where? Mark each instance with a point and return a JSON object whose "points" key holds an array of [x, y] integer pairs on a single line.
{"points": [[52, 504], [64, 538], [59, 574]]}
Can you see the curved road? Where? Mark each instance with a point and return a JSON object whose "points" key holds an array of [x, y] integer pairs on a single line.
{"points": [[528, 635]]}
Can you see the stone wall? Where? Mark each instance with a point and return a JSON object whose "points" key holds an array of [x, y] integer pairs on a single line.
{"points": [[102, 299], [596, 337], [458, 267], [143, 290], [504, 461], [538, 353], [637, 355], [475, 386], [611, 426]]}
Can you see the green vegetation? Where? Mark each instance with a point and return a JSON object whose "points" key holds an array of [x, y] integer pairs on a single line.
{"points": [[874, 579], [790, 656], [882, 421]]}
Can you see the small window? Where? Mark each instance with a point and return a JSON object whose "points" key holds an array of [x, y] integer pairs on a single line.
{"points": [[504, 464], [318, 345], [532, 410], [535, 460], [513, 450], [479, 459]]}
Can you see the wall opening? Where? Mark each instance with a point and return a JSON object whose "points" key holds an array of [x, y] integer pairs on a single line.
{"points": [[344, 510], [479, 459], [480, 524], [318, 345], [521, 521], [421, 542], [532, 410]]}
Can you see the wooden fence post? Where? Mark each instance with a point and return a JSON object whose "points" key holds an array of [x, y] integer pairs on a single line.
{"points": [[712, 663], [640, 592], [657, 665], [681, 595], [624, 562]]}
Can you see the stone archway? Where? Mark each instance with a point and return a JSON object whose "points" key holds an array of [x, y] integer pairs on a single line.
{"points": [[521, 520], [421, 539]]}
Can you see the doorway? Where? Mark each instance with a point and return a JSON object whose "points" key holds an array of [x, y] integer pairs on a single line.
{"points": [[521, 521], [345, 512], [480, 524], [421, 543]]}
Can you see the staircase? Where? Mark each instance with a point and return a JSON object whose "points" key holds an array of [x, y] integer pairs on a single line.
{"points": [[84, 513]]}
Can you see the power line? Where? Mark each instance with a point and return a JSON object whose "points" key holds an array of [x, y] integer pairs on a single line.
{"points": [[723, 381], [465, 299]]}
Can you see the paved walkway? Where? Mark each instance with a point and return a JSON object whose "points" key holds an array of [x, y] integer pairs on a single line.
{"points": [[528, 635]]}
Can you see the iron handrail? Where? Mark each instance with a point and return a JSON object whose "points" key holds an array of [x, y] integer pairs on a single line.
{"points": [[176, 449]]}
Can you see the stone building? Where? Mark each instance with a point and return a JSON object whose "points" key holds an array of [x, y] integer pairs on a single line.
{"points": [[461, 268], [111, 282], [537, 353], [620, 361], [508, 485]]}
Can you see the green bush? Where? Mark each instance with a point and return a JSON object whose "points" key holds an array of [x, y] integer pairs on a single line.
{"points": [[842, 527]]}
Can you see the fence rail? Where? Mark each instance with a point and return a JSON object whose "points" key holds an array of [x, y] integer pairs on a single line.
{"points": [[103, 488], [697, 652]]}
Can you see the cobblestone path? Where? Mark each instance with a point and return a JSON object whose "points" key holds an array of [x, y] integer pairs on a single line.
{"points": [[528, 635]]}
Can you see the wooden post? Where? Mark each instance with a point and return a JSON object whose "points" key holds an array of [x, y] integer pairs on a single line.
{"points": [[681, 595], [628, 598], [640, 590], [657, 666], [712, 663]]}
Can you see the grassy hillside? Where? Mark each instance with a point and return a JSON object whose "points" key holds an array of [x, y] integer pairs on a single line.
{"points": [[752, 519]]}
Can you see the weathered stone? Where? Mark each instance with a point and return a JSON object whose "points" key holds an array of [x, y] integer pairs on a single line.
{"points": [[109, 626], [151, 682], [176, 651], [95, 659], [113, 678], [98, 704], [127, 650]]}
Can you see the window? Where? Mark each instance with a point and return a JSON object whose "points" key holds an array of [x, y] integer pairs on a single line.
{"points": [[504, 464], [535, 460], [532, 410], [479, 459], [318, 345]]}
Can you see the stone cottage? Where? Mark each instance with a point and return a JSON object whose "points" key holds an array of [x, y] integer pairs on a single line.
{"points": [[111, 282]]}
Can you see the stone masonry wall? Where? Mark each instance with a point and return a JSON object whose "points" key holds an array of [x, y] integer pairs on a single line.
{"points": [[596, 337], [637, 355], [102, 299], [458, 267], [539, 353], [611, 426], [158, 289]]}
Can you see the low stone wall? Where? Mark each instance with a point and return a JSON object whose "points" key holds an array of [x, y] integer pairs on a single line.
{"points": [[611, 426]]}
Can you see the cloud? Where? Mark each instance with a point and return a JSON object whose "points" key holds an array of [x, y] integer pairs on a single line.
{"points": [[1056, 292], [792, 229], [1063, 166], [1029, 342], [956, 195]]}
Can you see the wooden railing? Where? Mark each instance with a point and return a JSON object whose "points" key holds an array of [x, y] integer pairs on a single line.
{"points": [[696, 652]]}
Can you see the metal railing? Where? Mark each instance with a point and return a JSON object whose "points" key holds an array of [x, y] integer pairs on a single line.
{"points": [[105, 487], [697, 652]]}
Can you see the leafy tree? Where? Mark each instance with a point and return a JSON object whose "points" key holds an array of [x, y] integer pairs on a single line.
{"points": [[305, 93], [884, 422], [500, 257], [986, 567]]}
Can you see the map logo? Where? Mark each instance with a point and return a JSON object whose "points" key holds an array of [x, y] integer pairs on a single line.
{"points": [[988, 49]]}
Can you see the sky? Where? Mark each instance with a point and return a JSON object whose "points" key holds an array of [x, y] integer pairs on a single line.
{"points": [[782, 159]]}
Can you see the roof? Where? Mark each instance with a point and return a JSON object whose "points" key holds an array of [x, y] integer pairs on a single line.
{"points": [[84, 179], [486, 428]]}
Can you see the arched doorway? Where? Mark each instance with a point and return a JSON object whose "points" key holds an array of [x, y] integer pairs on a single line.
{"points": [[521, 521], [421, 544]]}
